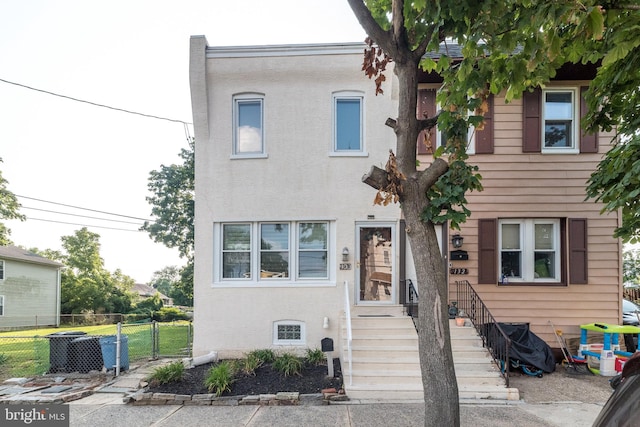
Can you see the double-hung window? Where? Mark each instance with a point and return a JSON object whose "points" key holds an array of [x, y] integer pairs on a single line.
{"points": [[248, 125], [1, 305], [529, 250], [348, 115], [1, 270], [274, 252], [560, 120]]}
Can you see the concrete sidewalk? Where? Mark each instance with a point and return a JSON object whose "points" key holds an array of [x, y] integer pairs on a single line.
{"points": [[105, 408]]}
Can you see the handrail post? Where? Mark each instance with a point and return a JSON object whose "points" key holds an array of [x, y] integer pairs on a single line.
{"points": [[347, 313]]}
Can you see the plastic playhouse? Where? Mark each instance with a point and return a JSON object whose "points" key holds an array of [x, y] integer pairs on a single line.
{"points": [[605, 358]]}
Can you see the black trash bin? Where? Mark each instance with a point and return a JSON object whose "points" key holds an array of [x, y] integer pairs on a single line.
{"points": [[59, 349], [85, 355]]}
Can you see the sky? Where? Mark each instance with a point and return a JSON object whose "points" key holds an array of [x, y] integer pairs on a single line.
{"points": [[89, 162]]}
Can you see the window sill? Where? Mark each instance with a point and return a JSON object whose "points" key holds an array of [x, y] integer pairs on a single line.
{"points": [[269, 284], [557, 284], [249, 156], [348, 154]]}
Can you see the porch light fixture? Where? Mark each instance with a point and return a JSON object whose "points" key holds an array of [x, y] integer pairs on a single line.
{"points": [[456, 240], [325, 323], [345, 254]]}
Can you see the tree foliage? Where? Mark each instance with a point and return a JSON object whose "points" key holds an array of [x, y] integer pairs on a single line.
{"points": [[172, 202], [86, 286], [631, 267], [501, 46], [9, 209]]}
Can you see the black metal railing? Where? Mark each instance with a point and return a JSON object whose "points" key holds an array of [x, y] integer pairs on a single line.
{"points": [[493, 336], [409, 299]]}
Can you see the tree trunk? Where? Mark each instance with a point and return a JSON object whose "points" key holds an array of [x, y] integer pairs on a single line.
{"points": [[436, 359]]}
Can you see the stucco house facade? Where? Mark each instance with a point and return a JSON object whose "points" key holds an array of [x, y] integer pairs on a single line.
{"points": [[29, 289], [290, 247]]}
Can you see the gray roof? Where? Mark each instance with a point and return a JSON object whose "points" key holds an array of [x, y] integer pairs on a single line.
{"points": [[18, 254]]}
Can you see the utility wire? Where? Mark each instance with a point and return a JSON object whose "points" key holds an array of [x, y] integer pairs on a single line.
{"points": [[84, 225], [94, 103], [85, 209], [81, 216]]}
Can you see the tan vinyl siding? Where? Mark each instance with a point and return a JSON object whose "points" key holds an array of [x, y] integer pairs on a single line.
{"points": [[535, 185]]}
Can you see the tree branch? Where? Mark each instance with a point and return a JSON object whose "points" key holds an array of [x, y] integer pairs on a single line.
{"points": [[428, 123], [376, 178], [429, 176], [371, 27]]}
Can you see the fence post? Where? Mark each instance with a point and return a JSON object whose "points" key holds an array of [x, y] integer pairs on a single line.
{"points": [[118, 335], [155, 346]]}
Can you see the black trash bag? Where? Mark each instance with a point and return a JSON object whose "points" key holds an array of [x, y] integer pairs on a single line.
{"points": [[526, 347]]}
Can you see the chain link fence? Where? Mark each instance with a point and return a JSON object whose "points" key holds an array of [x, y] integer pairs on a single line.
{"points": [[76, 352]]}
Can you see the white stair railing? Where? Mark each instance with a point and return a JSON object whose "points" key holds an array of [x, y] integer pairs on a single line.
{"points": [[347, 313]]}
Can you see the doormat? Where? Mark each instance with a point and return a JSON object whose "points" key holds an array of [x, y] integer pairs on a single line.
{"points": [[374, 315]]}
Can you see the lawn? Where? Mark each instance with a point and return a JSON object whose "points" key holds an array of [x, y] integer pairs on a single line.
{"points": [[26, 352]]}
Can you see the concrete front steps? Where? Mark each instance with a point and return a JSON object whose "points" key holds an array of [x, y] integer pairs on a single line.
{"points": [[385, 363]]}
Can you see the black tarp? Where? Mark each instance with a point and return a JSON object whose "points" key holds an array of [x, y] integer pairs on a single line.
{"points": [[526, 347]]}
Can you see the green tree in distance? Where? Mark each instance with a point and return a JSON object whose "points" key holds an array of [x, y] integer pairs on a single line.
{"points": [[172, 201], [507, 47], [9, 209], [86, 285], [631, 267]]}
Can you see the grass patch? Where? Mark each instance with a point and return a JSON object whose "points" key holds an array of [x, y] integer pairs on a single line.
{"points": [[220, 377], [172, 372], [288, 364]]}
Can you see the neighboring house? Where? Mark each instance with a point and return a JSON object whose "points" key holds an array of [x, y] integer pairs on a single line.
{"points": [[283, 222], [29, 289], [145, 291]]}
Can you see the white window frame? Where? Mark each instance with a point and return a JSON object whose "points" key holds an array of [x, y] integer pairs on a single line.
{"points": [[299, 342], [527, 249], [293, 278], [239, 99], [347, 95], [575, 120]]}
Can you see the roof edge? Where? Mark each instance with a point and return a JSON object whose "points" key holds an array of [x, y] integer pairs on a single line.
{"points": [[285, 50]]}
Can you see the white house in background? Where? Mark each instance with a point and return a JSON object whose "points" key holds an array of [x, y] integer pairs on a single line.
{"points": [[29, 289], [290, 248]]}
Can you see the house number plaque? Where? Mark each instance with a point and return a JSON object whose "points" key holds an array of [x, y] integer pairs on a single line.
{"points": [[345, 266], [458, 271]]}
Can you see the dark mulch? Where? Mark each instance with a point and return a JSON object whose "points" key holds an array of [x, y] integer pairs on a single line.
{"points": [[265, 381]]}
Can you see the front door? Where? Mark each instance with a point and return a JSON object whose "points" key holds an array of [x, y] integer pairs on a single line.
{"points": [[376, 264]]}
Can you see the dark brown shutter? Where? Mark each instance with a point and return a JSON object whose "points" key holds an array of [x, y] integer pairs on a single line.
{"points": [[578, 251], [588, 141], [531, 122], [484, 137], [487, 251], [426, 108]]}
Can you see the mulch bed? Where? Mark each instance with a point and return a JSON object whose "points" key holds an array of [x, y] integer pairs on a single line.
{"points": [[265, 381]]}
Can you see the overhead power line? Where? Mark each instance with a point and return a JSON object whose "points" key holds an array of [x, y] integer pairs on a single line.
{"points": [[95, 103], [81, 216], [83, 225], [85, 209]]}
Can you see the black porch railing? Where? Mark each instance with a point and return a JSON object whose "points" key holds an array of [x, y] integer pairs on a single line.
{"points": [[409, 299], [493, 337]]}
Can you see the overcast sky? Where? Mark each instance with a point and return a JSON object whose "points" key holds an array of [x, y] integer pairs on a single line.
{"points": [[131, 55]]}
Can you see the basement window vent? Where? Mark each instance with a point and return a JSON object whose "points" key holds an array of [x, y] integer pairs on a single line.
{"points": [[288, 332]]}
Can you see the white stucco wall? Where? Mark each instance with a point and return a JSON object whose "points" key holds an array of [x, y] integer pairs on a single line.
{"points": [[299, 180]]}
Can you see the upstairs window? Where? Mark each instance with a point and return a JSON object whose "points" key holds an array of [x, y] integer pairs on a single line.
{"points": [[560, 120], [348, 120], [1, 269], [248, 125]]}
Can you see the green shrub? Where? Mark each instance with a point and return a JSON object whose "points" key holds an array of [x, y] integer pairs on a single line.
{"points": [[265, 355], [3, 358], [220, 377], [250, 363], [168, 314], [167, 374], [315, 357], [288, 364]]}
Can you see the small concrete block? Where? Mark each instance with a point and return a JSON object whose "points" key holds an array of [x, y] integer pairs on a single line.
{"points": [[329, 390], [17, 380], [183, 397], [288, 395], [250, 400], [267, 397], [209, 396], [339, 398], [165, 396]]}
